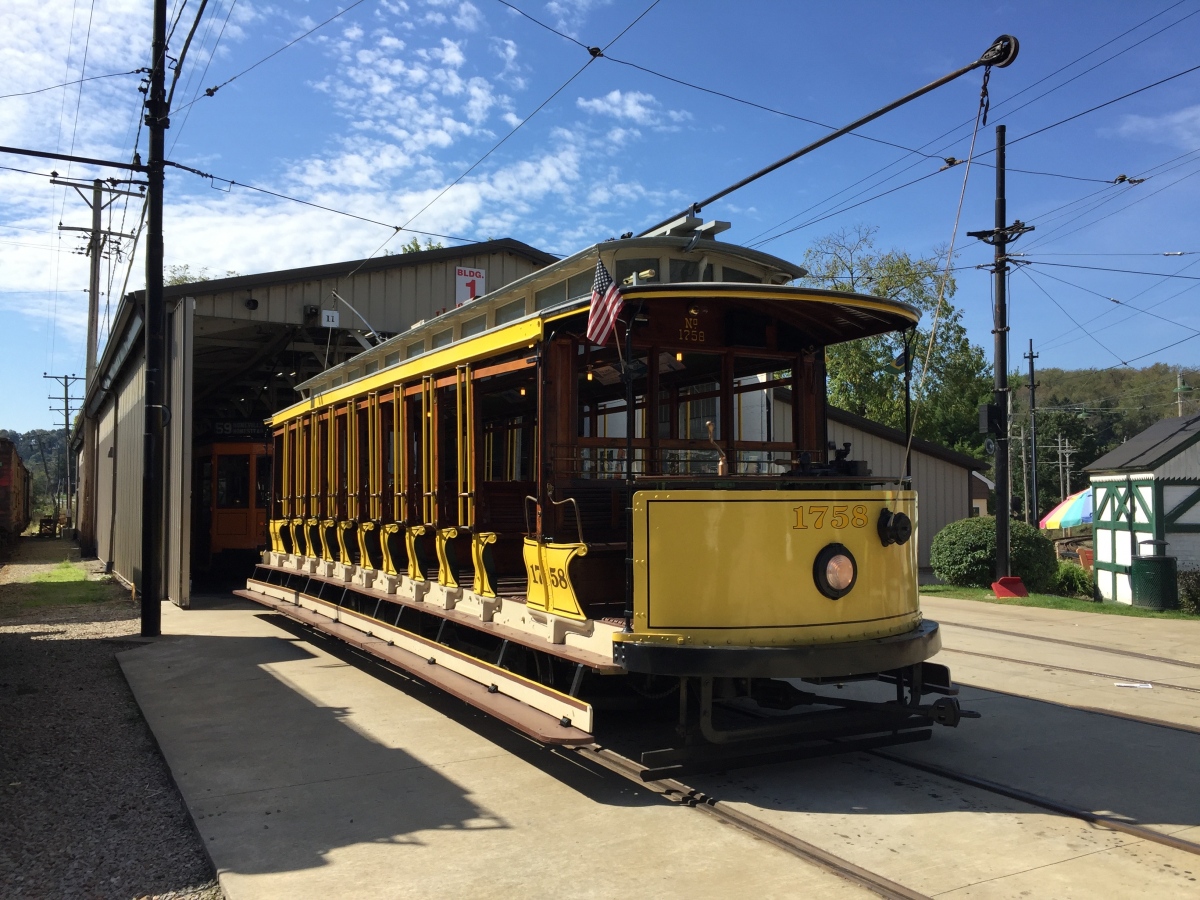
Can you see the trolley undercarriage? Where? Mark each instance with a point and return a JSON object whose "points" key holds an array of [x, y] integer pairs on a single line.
{"points": [[548, 691]]}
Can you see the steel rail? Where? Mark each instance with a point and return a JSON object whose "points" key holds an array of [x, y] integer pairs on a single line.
{"points": [[1132, 717], [1133, 654], [681, 793], [1041, 665], [1000, 54], [1112, 822]]}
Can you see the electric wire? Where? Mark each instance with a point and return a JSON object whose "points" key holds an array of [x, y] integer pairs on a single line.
{"points": [[212, 55], [70, 83], [1135, 309], [1110, 269], [1092, 109], [1063, 310], [209, 92], [1047, 239], [187, 42], [1057, 340], [593, 55], [945, 147], [937, 311], [760, 243], [331, 209], [1190, 337]]}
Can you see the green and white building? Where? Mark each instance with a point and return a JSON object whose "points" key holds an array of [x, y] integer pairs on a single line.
{"points": [[1147, 489]]}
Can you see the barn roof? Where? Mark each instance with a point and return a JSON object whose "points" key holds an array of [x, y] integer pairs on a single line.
{"points": [[1152, 447]]}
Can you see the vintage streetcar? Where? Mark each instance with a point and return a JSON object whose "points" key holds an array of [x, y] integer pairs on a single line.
{"points": [[531, 520]]}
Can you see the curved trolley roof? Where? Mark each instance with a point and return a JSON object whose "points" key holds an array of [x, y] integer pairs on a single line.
{"points": [[514, 315]]}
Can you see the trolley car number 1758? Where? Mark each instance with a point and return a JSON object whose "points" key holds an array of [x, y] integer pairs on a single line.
{"points": [[816, 515]]}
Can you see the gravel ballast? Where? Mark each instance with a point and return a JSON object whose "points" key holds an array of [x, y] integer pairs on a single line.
{"points": [[88, 807]]}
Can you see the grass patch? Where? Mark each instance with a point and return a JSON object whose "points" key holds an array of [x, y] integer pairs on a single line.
{"points": [[65, 571], [1050, 601], [66, 584]]}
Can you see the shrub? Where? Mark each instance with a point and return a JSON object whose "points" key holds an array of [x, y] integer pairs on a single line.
{"points": [[1073, 581], [1189, 591], [964, 553]]}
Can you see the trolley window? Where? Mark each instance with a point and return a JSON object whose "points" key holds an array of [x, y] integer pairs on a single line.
{"points": [[262, 481], [233, 481]]}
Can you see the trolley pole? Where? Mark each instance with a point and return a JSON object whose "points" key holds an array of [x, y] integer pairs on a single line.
{"points": [[999, 237], [1033, 487], [155, 337]]}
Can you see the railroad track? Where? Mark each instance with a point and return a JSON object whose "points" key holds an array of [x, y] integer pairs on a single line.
{"points": [[1106, 820], [1060, 668], [678, 792], [1132, 654]]}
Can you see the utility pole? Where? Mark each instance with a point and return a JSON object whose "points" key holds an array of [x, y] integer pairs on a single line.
{"points": [[999, 237], [155, 329], [97, 237], [66, 381], [1067, 451], [1033, 486], [1179, 392], [1025, 476]]}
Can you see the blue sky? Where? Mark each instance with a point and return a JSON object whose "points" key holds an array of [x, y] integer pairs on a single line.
{"points": [[378, 111]]}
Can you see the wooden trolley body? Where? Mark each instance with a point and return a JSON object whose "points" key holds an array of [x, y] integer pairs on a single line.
{"points": [[231, 497], [15, 493], [486, 469]]}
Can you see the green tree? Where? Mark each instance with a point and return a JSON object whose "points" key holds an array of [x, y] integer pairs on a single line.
{"points": [[183, 274], [415, 246], [947, 394]]}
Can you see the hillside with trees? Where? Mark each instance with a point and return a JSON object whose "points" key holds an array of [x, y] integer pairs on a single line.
{"points": [[44, 453], [1092, 411]]}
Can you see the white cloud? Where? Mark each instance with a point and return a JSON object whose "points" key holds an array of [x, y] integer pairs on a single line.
{"points": [[511, 73], [468, 17], [1181, 128], [632, 106], [569, 15]]}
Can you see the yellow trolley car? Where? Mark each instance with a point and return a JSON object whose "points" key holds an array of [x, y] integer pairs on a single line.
{"points": [[496, 504]]}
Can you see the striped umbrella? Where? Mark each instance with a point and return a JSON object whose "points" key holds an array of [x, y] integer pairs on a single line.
{"points": [[1075, 510]]}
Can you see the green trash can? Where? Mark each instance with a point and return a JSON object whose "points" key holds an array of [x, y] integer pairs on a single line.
{"points": [[1153, 579]]}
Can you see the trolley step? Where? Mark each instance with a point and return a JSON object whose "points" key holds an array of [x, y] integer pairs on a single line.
{"points": [[544, 714]]}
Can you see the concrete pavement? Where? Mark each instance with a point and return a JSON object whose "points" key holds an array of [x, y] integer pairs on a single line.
{"points": [[312, 778]]}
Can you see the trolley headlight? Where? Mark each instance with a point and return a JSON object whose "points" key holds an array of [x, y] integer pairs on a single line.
{"points": [[835, 571], [894, 528]]}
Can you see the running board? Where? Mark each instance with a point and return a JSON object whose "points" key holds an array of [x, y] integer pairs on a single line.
{"points": [[546, 715]]}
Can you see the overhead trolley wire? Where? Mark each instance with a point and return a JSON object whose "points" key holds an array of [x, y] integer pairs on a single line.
{"points": [[1107, 269], [594, 53], [1063, 310], [208, 92], [968, 121], [1092, 109], [1190, 337], [340, 212], [1057, 341], [211, 55], [1136, 309]]}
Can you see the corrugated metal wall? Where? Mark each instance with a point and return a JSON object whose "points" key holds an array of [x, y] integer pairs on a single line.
{"points": [[390, 299], [943, 489], [177, 513], [119, 478], [105, 479]]}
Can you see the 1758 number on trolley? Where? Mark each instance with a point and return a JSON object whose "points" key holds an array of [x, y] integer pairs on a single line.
{"points": [[818, 515]]}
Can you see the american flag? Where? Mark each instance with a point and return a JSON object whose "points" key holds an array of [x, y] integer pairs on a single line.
{"points": [[606, 306]]}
